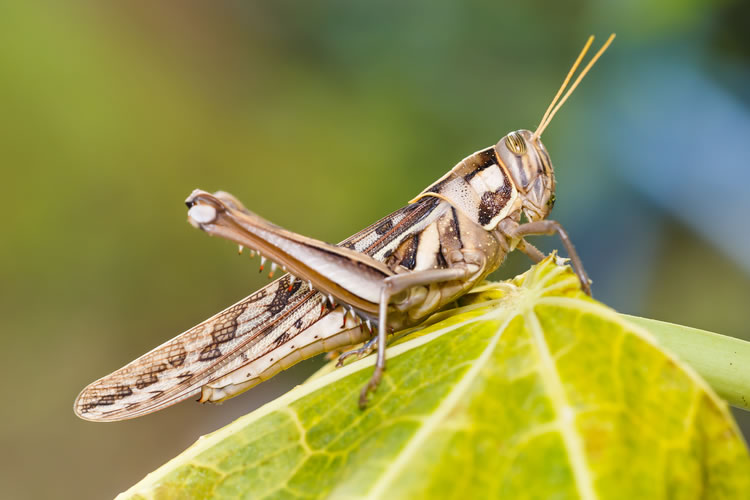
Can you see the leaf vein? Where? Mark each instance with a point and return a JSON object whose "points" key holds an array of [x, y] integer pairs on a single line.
{"points": [[563, 409], [401, 462]]}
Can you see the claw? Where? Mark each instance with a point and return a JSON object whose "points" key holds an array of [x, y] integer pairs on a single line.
{"points": [[239, 249], [370, 387], [360, 353], [343, 357]]}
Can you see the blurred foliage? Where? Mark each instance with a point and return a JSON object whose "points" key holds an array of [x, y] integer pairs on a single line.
{"points": [[321, 117]]}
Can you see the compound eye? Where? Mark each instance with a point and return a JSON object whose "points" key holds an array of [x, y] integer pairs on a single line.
{"points": [[515, 143]]}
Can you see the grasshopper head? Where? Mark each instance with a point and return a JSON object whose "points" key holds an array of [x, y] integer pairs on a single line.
{"points": [[524, 155], [529, 165]]}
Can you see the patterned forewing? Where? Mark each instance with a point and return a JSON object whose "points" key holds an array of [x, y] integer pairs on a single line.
{"points": [[259, 323]]}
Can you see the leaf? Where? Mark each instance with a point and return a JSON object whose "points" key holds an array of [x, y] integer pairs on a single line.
{"points": [[721, 360], [531, 390]]}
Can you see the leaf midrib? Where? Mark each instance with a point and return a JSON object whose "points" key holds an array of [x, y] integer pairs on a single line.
{"points": [[401, 461], [564, 411]]}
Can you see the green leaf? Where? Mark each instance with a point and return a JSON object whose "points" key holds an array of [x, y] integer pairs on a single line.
{"points": [[530, 390], [723, 361]]}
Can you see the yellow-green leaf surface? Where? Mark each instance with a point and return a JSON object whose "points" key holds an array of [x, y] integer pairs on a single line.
{"points": [[530, 390]]}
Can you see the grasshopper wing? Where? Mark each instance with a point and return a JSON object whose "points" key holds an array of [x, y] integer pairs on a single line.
{"points": [[236, 337], [177, 369]]}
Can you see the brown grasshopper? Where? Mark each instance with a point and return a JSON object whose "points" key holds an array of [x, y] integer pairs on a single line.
{"points": [[395, 273]]}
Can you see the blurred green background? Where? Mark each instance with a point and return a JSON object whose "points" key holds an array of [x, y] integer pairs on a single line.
{"points": [[323, 117]]}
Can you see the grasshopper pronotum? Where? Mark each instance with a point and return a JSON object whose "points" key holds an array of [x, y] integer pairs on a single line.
{"points": [[394, 273]]}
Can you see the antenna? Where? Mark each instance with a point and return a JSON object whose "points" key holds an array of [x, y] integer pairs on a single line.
{"points": [[555, 106]]}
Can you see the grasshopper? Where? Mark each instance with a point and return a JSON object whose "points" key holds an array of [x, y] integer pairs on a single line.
{"points": [[393, 274]]}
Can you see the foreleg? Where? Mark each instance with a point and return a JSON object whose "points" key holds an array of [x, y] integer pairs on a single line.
{"points": [[551, 227]]}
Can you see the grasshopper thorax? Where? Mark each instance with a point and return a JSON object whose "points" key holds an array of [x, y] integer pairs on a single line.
{"points": [[525, 159]]}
